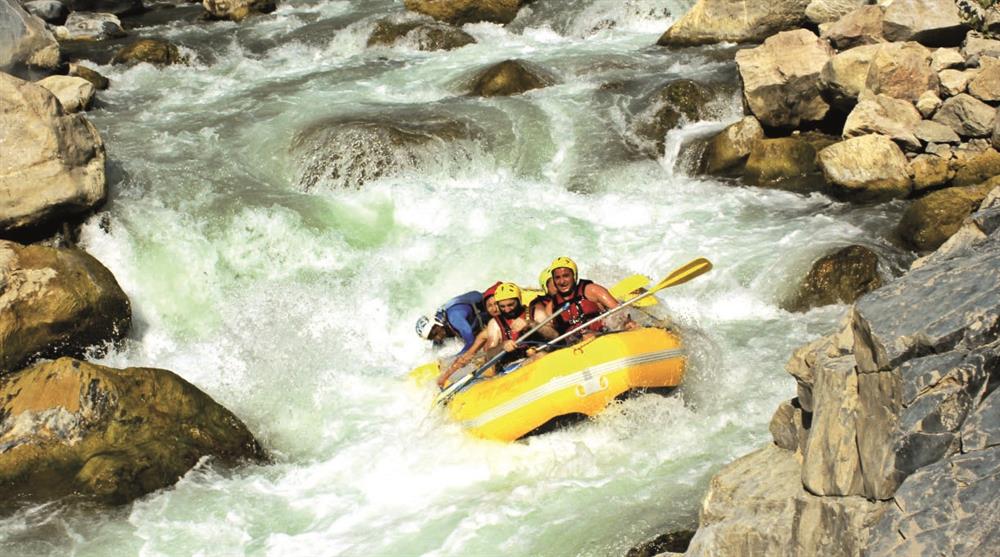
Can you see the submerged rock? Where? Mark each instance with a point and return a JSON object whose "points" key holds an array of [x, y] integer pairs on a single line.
{"points": [[423, 34], [681, 99], [510, 77], [932, 219], [738, 21], [460, 12], [348, 153], [838, 278], [56, 302], [26, 39], [732, 146], [70, 427], [53, 163], [781, 78], [237, 10], [158, 52]]}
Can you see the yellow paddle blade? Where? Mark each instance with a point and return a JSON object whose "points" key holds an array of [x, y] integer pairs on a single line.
{"points": [[690, 270], [426, 373], [630, 287]]}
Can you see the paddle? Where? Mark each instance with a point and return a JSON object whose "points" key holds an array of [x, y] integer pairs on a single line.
{"points": [[680, 275], [445, 395]]}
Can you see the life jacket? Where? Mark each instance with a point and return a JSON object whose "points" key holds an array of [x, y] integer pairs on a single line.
{"points": [[507, 332], [580, 310]]}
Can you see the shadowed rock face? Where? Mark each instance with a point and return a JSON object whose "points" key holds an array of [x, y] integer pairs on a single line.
{"points": [[460, 12], [424, 34], [682, 99], [510, 77], [70, 427], [56, 302], [350, 153], [929, 221], [840, 277], [153, 51]]}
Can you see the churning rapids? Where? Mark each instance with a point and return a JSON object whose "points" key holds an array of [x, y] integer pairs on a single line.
{"points": [[294, 307]]}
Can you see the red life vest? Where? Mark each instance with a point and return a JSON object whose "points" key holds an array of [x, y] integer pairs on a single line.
{"points": [[580, 310], [506, 331]]}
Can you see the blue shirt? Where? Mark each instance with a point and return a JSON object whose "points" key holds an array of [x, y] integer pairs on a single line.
{"points": [[461, 313]]}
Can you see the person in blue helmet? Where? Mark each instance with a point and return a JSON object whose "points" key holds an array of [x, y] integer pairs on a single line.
{"points": [[462, 316]]}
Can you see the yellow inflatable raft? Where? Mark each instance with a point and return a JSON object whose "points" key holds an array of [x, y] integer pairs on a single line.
{"points": [[580, 379]]}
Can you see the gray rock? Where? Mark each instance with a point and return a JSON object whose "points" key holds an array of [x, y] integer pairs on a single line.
{"points": [[25, 39], [982, 428], [781, 78], [52, 11], [967, 116], [947, 508], [985, 86], [787, 427], [882, 114], [116, 7], [930, 131], [90, 26], [859, 27], [930, 22], [976, 46]]}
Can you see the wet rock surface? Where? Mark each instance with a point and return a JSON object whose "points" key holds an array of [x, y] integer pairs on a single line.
{"points": [[72, 428], [510, 77], [423, 34], [838, 278], [152, 51]]}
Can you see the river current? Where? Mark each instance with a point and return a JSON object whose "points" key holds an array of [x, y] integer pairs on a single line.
{"points": [[295, 308]]}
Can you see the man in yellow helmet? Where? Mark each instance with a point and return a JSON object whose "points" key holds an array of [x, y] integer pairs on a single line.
{"points": [[587, 299]]}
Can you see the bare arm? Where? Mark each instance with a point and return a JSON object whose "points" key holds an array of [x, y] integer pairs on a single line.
{"points": [[600, 295]]}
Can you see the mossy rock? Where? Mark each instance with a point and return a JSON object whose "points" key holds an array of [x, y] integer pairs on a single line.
{"points": [[840, 277], [113, 435], [665, 109], [929, 221], [153, 51], [785, 163]]}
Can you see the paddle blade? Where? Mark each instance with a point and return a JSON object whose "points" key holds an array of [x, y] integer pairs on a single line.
{"points": [[425, 373], [684, 273], [627, 287]]}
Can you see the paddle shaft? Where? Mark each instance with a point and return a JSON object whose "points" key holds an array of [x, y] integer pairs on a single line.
{"points": [[447, 393]]}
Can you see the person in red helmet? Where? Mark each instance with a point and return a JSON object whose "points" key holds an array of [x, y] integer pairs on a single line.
{"points": [[587, 299]]}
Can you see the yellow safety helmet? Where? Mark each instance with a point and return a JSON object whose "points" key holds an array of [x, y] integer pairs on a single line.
{"points": [[507, 291], [564, 262], [543, 279]]}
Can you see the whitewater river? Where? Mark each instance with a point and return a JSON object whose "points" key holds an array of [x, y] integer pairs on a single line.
{"points": [[295, 307]]}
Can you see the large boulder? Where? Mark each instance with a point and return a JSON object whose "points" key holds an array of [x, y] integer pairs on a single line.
{"points": [[985, 86], [785, 162], [902, 70], [838, 278], [56, 302], [74, 93], [932, 219], [677, 101], [421, 33], [967, 116], [975, 167], [866, 168], [237, 10], [53, 163], [845, 75], [510, 77], [157, 52], [460, 12], [348, 153], [90, 26], [884, 115], [26, 41], [859, 27], [738, 21], [825, 11], [781, 81], [49, 11], [70, 427], [929, 22], [732, 146], [756, 505]]}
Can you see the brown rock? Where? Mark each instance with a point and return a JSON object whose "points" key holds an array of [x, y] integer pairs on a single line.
{"points": [[826, 11], [774, 161], [714, 21], [838, 278], [52, 163], [153, 51], [56, 302], [97, 80], [237, 10], [929, 171], [111, 434], [425, 35], [677, 100], [859, 27], [510, 77], [867, 168], [882, 114], [460, 12], [902, 70], [985, 86], [932, 219], [845, 76], [781, 81], [968, 116], [974, 167], [930, 131], [732, 146]]}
